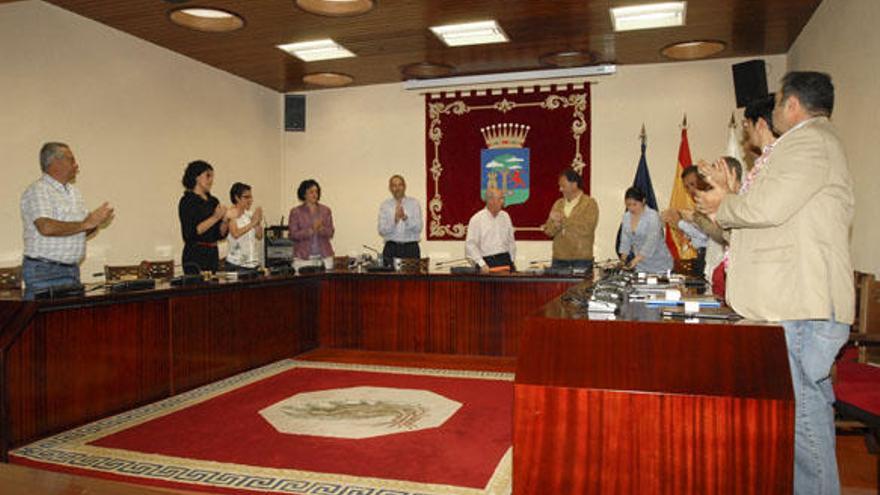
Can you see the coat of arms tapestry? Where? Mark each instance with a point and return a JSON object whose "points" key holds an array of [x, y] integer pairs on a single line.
{"points": [[516, 140]]}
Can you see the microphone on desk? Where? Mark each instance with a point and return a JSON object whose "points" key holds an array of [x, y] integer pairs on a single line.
{"points": [[370, 248], [455, 262]]}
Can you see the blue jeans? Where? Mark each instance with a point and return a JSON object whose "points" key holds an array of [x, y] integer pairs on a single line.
{"points": [[39, 275], [812, 347], [573, 264]]}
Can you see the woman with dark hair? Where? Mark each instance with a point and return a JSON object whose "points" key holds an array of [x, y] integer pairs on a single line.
{"points": [[202, 219], [572, 224], [311, 226], [245, 230], [641, 236]]}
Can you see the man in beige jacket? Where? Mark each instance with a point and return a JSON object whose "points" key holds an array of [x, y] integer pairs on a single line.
{"points": [[790, 261], [572, 224]]}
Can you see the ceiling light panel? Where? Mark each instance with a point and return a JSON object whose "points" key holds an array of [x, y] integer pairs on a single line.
{"points": [[471, 33], [648, 16], [310, 51]]}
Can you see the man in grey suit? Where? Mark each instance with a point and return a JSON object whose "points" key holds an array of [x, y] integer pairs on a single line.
{"points": [[790, 261]]}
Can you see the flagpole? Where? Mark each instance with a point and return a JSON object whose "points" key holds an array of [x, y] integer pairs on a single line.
{"points": [[684, 121], [643, 136]]}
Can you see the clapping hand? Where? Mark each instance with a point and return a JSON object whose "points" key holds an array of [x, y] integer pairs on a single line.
{"points": [[399, 213], [220, 212], [258, 215], [98, 216], [670, 216]]}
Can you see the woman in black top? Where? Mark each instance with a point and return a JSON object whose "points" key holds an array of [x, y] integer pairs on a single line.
{"points": [[202, 219]]}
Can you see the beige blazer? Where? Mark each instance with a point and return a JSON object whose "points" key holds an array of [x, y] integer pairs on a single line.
{"points": [[789, 248], [573, 238]]}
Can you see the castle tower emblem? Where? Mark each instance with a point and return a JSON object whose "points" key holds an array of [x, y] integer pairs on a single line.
{"points": [[504, 163]]}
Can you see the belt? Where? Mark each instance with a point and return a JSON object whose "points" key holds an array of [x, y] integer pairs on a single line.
{"points": [[207, 244], [402, 243], [50, 262]]}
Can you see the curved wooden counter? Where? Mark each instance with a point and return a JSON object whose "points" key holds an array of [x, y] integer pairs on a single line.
{"points": [[67, 362]]}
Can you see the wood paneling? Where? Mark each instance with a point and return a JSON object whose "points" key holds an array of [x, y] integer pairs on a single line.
{"points": [[374, 312], [485, 316], [220, 333], [436, 314], [395, 34], [655, 407], [82, 364]]}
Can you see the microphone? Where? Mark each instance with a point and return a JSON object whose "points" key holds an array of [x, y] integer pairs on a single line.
{"points": [[454, 262], [371, 249]]}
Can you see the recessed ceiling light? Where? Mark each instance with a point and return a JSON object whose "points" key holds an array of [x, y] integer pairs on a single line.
{"points": [[471, 33], [310, 51], [328, 79], [422, 70], [693, 50], [573, 58], [209, 20], [336, 8], [648, 16]]}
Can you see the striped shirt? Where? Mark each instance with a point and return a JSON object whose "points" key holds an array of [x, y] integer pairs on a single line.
{"points": [[48, 198]]}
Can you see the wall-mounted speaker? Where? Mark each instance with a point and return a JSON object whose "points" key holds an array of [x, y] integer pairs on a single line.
{"points": [[749, 81], [295, 113]]}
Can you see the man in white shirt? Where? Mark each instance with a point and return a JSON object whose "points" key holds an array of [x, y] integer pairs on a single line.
{"points": [[400, 223], [56, 223], [490, 241]]}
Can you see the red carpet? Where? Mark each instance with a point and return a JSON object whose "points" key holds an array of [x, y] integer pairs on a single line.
{"points": [[857, 383], [215, 438]]}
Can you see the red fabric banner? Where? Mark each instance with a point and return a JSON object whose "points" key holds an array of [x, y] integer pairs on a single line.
{"points": [[529, 135]]}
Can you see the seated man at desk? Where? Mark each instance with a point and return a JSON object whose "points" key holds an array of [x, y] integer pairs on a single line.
{"points": [[490, 240]]}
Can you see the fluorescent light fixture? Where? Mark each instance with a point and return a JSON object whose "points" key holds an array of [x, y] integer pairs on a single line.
{"points": [[648, 16], [471, 33], [310, 51], [593, 70]]}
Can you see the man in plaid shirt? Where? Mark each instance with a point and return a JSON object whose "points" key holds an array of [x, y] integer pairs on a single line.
{"points": [[56, 223]]}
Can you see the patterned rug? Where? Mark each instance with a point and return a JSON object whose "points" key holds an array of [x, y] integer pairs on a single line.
{"points": [[299, 427]]}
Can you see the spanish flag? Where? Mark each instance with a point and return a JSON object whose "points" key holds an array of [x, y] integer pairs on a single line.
{"points": [[679, 243]]}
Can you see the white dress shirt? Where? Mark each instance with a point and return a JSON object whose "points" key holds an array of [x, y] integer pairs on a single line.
{"points": [[48, 198], [407, 230], [488, 235]]}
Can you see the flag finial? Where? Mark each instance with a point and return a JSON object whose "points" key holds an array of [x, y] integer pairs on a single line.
{"points": [[684, 121], [732, 120], [643, 136]]}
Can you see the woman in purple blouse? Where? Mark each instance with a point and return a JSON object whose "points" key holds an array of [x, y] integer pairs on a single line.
{"points": [[311, 224]]}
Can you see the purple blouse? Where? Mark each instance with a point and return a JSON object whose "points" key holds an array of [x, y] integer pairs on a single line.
{"points": [[308, 241]]}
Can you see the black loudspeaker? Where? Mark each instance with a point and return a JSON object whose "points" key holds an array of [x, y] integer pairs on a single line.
{"points": [[749, 81], [295, 113]]}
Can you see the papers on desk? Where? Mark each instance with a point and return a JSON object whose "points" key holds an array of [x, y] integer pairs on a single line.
{"points": [[688, 302]]}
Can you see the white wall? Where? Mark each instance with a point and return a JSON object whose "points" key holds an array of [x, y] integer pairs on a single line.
{"points": [[134, 115], [842, 39], [356, 138]]}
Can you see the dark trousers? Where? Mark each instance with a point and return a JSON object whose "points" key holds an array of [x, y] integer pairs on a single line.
{"points": [[197, 258], [699, 265], [400, 250], [500, 259]]}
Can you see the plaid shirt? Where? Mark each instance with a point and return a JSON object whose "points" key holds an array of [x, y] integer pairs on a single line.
{"points": [[48, 198]]}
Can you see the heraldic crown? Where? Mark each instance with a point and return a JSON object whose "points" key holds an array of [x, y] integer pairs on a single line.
{"points": [[505, 135]]}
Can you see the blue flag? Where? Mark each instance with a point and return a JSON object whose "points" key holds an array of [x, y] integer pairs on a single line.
{"points": [[643, 182]]}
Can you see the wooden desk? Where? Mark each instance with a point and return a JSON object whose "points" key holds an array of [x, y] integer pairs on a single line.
{"points": [[651, 407], [65, 363]]}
